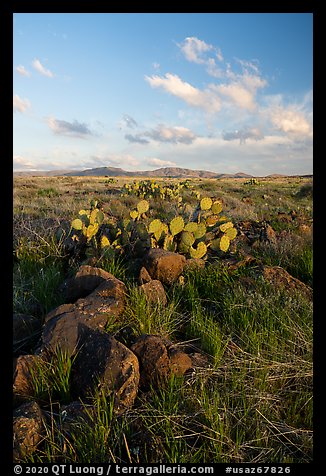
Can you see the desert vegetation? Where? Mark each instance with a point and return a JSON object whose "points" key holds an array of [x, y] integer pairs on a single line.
{"points": [[217, 342]]}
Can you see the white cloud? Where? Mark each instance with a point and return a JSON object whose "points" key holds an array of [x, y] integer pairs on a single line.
{"points": [[41, 69], [22, 71], [20, 105], [159, 162], [193, 49], [237, 94], [241, 92], [206, 99], [290, 121]]}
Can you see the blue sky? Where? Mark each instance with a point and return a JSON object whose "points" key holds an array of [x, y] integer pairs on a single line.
{"points": [[220, 92]]}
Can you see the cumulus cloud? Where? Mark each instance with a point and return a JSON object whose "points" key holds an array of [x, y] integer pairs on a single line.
{"points": [[241, 92], [160, 163], [243, 135], [41, 69], [162, 133], [23, 71], [193, 49], [239, 87], [69, 129], [20, 105], [173, 135], [171, 83], [290, 121]]}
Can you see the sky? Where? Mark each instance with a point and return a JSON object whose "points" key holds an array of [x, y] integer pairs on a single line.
{"points": [[224, 92]]}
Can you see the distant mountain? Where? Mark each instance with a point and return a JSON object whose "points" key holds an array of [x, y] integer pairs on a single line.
{"points": [[169, 172], [172, 172], [101, 171]]}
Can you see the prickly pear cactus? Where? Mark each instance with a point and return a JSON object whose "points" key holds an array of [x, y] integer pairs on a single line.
{"points": [[176, 225], [142, 206], [206, 203], [198, 252]]}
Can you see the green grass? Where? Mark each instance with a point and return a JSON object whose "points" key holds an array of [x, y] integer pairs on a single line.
{"points": [[252, 402]]}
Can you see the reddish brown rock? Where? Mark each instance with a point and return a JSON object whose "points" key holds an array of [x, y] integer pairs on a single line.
{"points": [[180, 362], [154, 292], [62, 326], [25, 366], [28, 430], [144, 276], [85, 281], [163, 265], [153, 359], [159, 358], [104, 362]]}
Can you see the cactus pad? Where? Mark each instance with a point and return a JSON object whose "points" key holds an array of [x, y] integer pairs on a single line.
{"points": [[226, 226], [105, 241], [217, 207], [77, 224], [155, 226], [224, 243], [191, 226], [176, 225], [231, 233], [212, 220], [134, 214], [198, 252], [206, 203], [187, 238], [91, 231], [201, 230], [143, 206]]}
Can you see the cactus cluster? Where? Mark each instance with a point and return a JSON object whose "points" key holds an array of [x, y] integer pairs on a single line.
{"points": [[252, 181], [205, 231], [89, 221], [140, 210], [148, 189]]}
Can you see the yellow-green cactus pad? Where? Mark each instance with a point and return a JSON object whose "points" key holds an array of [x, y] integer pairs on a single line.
{"points": [[187, 238], [198, 252], [155, 226], [105, 242], [134, 214], [226, 226], [206, 203], [191, 226], [201, 230], [231, 233], [77, 224], [143, 206], [176, 225], [217, 207]]}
